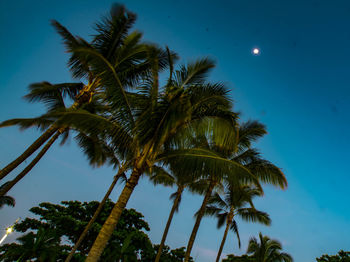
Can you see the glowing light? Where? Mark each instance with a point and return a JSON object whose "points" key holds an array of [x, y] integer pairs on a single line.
{"points": [[256, 51], [3, 238], [9, 230]]}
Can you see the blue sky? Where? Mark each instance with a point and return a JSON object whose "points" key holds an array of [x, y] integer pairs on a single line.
{"points": [[298, 87]]}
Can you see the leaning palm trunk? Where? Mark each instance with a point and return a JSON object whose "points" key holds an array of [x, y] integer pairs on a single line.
{"points": [[198, 220], [108, 227], [223, 241], [84, 96], [173, 209], [31, 164], [28, 152], [94, 217]]}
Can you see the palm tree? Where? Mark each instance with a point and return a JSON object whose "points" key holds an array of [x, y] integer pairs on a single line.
{"points": [[182, 181], [234, 203], [237, 151], [112, 44], [268, 250], [145, 126], [6, 200], [114, 47], [56, 103], [54, 98], [119, 175]]}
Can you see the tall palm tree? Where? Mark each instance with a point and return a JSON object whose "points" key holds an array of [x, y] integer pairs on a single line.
{"points": [[54, 98], [182, 181], [240, 152], [234, 203], [114, 47], [268, 250], [56, 103], [146, 126], [113, 44], [82, 236], [6, 200]]}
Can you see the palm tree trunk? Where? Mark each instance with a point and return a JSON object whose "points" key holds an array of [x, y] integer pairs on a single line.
{"points": [[108, 227], [28, 152], [223, 241], [46, 135], [198, 220], [31, 165], [173, 209], [94, 217]]}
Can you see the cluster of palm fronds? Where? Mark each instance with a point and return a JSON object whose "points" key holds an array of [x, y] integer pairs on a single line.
{"points": [[183, 131]]}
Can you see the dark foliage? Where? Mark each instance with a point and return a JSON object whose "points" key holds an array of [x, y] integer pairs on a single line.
{"points": [[342, 256], [233, 258], [51, 237]]}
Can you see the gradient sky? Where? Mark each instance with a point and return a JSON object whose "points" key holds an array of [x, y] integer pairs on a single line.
{"points": [[298, 87]]}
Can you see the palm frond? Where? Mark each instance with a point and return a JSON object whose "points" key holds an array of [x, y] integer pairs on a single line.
{"points": [[249, 132], [6, 200], [92, 124], [198, 161], [77, 65], [247, 156], [222, 219], [176, 194], [198, 186], [64, 136], [253, 245], [216, 200], [234, 228], [96, 150], [53, 95], [194, 73], [112, 30], [268, 173], [286, 257], [109, 78], [253, 215], [211, 210], [39, 122], [160, 176]]}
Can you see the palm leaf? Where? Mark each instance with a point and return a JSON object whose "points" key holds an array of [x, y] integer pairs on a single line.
{"points": [[198, 161], [253, 215], [40, 122], [112, 30], [234, 228], [53, 95], [194, 73], [109, 78], [7, 200], [78, 65], [249, 132], [160, 176]]}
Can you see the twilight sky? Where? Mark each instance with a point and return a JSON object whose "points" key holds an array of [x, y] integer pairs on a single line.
{"points": [[298, 87]]}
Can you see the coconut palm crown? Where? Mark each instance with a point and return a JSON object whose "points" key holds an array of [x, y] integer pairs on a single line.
{"points": [[114, 46], [236, 149], [268, 250], [146, 124], [236, 202]]}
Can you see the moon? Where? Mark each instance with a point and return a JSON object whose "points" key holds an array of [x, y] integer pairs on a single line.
{"points": [[256, 51]]}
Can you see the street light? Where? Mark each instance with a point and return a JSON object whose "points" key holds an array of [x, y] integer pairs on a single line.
{"points": [[9, 230]]}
